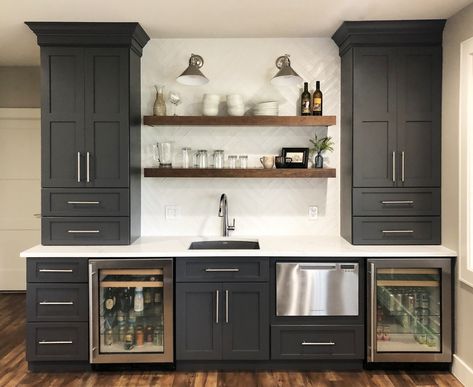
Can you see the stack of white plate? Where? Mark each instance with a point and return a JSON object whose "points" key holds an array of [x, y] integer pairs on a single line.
{"points": [[235, 105], [267, 108], [210, 104]]}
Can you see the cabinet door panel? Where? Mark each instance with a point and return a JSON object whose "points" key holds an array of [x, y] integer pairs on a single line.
{"points": [[245, 321], [198, 328], [62, 116], [107, 116], [419, 103], [374, 124]]}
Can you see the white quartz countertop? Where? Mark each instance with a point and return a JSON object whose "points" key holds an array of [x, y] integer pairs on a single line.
{"points": [[270, 246]]}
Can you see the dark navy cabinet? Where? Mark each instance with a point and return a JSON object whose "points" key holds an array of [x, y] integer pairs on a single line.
{"points": [[91, 124], [390, 130]]}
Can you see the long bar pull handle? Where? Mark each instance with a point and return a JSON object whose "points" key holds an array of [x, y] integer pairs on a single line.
{"points": [[397, 231], [78, 167], [394, 167], [55, 270], [47, 342], [83, 202], [235, 270], [397, 202], [226, 306], [88, 166], [216, 305], [317, 267], [56, 303], [83, 231], [372, 309], [402, 167], [308, 343]]}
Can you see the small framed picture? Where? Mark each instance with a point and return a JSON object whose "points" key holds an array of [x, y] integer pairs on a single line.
{"points": [[296, 157]]}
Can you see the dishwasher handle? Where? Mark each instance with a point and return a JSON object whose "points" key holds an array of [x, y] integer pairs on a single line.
{"points": [[317, 266]]}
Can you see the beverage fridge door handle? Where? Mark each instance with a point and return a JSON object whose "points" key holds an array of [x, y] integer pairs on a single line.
{"points": [[372, 343], [93, 325]]}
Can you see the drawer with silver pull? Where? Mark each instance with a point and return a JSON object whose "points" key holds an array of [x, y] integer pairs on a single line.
{"points": [[67, 270], [57, 341], [396, 201], [396, 230], [85, 231], [85, 202], [57, 302], [317, 342], [222, 269]]}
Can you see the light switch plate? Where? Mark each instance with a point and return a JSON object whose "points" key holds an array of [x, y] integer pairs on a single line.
{"points": [[172, 212], [313, 212]]}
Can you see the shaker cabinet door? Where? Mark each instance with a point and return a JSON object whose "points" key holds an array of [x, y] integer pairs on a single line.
{"points": [[245, 321], [106, 117], [374, 117], [62, 117], [198, 321], [419, 103]]}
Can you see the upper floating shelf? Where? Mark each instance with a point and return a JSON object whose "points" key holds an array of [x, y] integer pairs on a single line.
{"points": [[240, 121]]}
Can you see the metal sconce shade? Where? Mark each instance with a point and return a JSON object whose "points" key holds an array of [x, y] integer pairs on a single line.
{"points": [[192, 76], [286, 76]]}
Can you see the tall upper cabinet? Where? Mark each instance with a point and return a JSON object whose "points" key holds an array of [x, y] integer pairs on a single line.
{"points": [[390, 131], [90, 131]]}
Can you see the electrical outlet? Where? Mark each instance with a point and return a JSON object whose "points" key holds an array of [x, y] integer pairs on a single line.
{"points": [[172, 212], [313, 212]]}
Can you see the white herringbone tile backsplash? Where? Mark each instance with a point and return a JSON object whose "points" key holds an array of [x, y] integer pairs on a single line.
{"points": [[243, 66]]}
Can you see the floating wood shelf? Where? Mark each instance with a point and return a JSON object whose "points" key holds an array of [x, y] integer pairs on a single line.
{"points": [[240, 121], [242, 173]]}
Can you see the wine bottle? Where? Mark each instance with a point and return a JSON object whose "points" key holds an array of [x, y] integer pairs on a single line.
{"points": [[317, 100], [305, 101], [109, 299]]}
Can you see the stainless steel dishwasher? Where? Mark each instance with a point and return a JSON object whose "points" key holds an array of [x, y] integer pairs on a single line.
{"points": [[317, 289]]}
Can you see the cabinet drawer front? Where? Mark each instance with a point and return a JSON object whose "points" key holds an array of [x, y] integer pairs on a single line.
{"points": [[85, 202], [396, 231], [56, 270], [317, 342], [85, 231], [221, 269], [57, 341], [57, 302], [396, 202]]}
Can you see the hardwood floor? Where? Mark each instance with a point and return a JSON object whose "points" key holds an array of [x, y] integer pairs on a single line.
{"points": [[14, 370]]}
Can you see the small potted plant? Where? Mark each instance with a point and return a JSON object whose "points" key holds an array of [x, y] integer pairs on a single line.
{"points": [[320, 145]]}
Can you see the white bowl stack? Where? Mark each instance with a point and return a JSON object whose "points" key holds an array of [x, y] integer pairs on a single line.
{"points": [[235, 106], [210, 104], [267, 108]]}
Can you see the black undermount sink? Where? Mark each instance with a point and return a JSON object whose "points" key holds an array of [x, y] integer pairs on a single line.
{"points": [[224, 245]]}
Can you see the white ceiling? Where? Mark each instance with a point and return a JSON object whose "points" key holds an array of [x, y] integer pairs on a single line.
{"points": [[206, 18]]}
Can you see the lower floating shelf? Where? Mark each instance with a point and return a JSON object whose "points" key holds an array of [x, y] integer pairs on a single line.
{"points": [[242, 173]]}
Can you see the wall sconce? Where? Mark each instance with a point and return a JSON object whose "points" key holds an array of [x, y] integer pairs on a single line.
{"points": [[192, 76], [286, 76]]}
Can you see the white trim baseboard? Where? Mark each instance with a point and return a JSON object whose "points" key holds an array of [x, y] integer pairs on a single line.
{"points": [[462, 371]]}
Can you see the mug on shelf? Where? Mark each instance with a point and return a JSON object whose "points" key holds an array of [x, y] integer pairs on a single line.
{"points": [[267, 161]]}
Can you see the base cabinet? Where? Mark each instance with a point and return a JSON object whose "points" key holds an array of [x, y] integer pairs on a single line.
{"points": [[222, 321]]}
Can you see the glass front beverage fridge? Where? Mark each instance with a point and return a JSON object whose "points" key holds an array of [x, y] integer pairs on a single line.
{"points": [[131, 311], [409, 310]]}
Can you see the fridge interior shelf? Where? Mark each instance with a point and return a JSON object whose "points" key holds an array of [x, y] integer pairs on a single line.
{"points": [[390, 283], [131, 284], [131, 272], [119, 348], [402, 342], [408, 271]]}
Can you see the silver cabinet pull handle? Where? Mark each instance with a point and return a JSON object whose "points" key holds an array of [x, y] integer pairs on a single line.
{"points": [[83, 231], [394, 167], [78, 167], [55, 270], [402, 166], [308, 343], [397, 202], [46, 342], [397, 231], [222, 270], [226, 306], [216, 305], [56, 303], [88, 166], [83, 202]]}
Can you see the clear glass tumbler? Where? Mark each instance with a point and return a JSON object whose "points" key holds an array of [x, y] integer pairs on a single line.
{"points": [[232, 161], [219, 159], [243, 161], [186, 156]]}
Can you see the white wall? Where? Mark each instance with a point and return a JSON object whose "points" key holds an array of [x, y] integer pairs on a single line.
{"points": [[458, 28], [245, 66]]}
